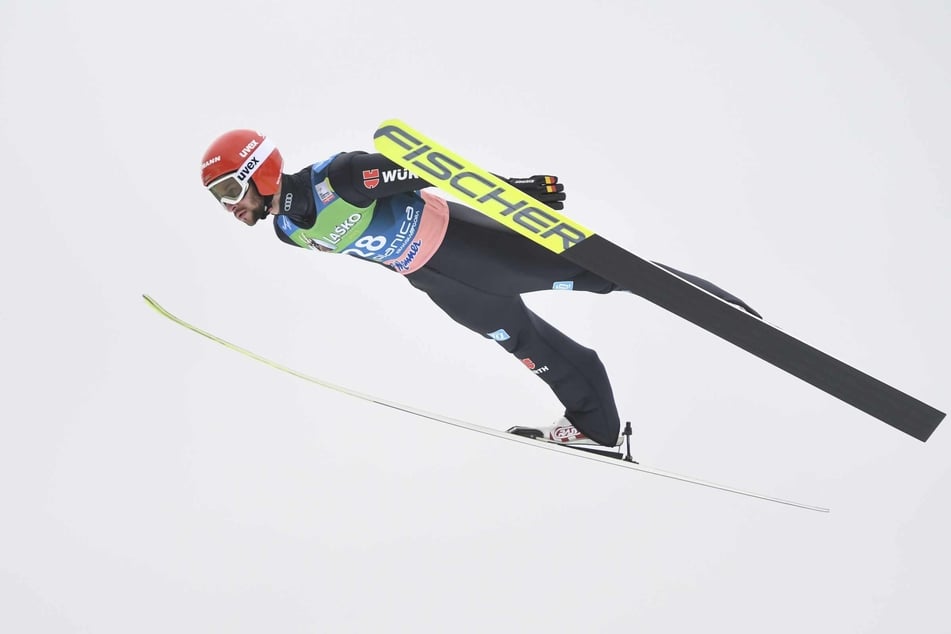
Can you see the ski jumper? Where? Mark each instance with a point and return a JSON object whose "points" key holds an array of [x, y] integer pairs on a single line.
{"points": [[473, 268]]}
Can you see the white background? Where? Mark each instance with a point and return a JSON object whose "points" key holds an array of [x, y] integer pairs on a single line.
{"points": [[797, 153]]}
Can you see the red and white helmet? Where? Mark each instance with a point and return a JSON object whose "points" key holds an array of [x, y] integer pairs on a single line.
{"points": [[235, 159]]}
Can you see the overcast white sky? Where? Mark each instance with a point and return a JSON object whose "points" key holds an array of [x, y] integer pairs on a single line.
{"points": [[797, 153]]}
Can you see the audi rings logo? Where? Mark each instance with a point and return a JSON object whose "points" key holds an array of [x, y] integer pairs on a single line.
{"points": [[288, 201]]}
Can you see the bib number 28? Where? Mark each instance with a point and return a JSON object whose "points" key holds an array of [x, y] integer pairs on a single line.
{"points": [[366, 246]]}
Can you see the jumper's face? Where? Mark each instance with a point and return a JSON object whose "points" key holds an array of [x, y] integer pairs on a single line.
{"points": [[249, 209]]}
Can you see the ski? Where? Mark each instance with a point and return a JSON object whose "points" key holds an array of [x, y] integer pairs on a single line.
{"points": [[614, 459], [509, 206]]}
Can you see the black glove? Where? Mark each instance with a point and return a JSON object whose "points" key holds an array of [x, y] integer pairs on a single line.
{"points": [[542, 188]]}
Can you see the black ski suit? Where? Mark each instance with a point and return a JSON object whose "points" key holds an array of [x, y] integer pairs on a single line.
{"points": [[477, 276]]}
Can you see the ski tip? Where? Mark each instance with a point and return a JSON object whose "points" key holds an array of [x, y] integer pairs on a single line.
{"points": [[154, 305]]}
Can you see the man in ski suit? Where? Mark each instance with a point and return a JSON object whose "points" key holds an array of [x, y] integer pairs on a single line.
{"points": [[473, 268]]}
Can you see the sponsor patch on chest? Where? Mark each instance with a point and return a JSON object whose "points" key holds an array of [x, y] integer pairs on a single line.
{"points": [[324, 192]]}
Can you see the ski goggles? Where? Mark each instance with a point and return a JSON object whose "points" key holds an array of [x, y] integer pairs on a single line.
{"points": [[231, 188]]}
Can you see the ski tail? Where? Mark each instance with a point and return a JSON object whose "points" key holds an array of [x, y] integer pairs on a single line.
{"points": [[848, 384]]}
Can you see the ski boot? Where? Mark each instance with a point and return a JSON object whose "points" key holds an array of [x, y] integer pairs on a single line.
{"points": [[562, 431]]}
